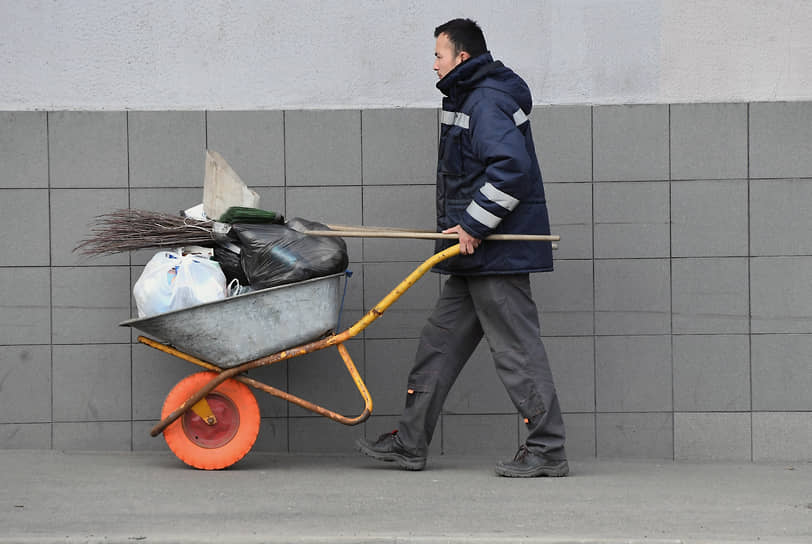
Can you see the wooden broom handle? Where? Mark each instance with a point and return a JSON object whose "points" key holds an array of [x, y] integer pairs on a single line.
{"points": [[375, 232]]}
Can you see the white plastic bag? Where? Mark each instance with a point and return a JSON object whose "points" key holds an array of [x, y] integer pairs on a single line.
{"points": [[172, 282]]}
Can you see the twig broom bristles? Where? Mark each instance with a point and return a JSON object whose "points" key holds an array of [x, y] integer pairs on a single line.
{"points": [[125, 230]]}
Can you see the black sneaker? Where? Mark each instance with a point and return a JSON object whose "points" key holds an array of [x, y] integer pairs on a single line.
{"points": [[527, 464], [388, 448]]}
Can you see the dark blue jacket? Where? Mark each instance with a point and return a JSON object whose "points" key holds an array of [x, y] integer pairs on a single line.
{"points": [[488, 176]]}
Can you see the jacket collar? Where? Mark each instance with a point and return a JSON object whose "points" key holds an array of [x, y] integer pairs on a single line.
{"points": [[467, 74]]}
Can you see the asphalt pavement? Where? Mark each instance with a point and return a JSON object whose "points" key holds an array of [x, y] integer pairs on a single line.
{"points": [[71, 497]]}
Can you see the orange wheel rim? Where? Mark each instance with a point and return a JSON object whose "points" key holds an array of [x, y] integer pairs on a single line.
{"points": [[213, 436]]}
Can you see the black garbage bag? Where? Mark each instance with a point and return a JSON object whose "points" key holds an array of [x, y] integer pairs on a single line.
{"points": [[278, 254], [228, 255]]}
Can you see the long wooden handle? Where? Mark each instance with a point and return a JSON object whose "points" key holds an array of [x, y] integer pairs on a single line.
{"points": [[424, 235]]}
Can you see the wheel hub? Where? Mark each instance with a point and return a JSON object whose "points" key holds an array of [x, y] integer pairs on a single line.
{"points": [[219, 434]]}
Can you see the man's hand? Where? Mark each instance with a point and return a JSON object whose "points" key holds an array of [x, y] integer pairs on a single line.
{"points": [[467, 242]]}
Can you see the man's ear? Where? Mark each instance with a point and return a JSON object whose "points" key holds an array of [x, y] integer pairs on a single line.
{"points": [[464, 56]]}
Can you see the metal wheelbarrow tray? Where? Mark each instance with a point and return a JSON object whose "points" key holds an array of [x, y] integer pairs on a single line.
{"points": [[245, 327]]}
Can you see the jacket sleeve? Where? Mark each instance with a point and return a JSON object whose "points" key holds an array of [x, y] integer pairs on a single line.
{"points": [[499, 143]]}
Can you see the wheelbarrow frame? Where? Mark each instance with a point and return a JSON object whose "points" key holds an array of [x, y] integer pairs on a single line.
{"points": [[197, 401]]}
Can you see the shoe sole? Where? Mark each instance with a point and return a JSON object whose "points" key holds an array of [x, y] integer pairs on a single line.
{"points": [[558, 471], [401, 460]]}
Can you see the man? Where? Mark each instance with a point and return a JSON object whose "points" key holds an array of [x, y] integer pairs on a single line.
{"points": [[488, 181]]}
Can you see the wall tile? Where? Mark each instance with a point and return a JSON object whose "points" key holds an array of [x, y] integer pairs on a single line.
{"points": [[89, 303], [323, 147], [580, 429], [632, 296], [93, 436], [399, 146], [25, 306], [169, 200], [564, 299], [167, 148], [478, 390], [24, 224], [406, 317], [708, 141], [329, 205], [630, 143], [272, 199], [782, 436], [631, 220], [573, 364], [712, 437], [88, 149], [781, 140], [275, 375], [410, 207], [635, 436], [72, 213], [709, 218], [92, 383], [252, 142], [782, 380], [563, 138], [711, 373], [322, 378], [322, 435], [25, 436], [570, 208], [485, 434], [23, 149], [780, 221], [633, 373], [142, 441], [710, 295], [273, 435], [781, 295], [25, 383]]}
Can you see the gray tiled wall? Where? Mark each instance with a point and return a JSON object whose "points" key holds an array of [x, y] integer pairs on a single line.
{"points": [[678, 320]]}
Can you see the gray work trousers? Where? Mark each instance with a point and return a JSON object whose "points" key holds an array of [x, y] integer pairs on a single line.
{"points": [[501, 307]]}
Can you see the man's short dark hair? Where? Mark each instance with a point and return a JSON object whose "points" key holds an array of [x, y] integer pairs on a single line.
{"points": [[465, 35]]}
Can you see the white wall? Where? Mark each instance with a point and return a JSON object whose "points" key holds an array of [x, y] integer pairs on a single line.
{"points": [[275, 54]]}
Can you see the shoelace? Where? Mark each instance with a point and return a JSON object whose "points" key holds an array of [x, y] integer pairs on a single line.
{"points": [[521, 454]]}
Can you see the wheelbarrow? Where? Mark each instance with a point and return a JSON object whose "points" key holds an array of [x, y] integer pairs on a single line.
{"points": [[210, 420]]}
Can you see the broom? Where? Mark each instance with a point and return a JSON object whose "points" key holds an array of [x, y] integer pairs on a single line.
{"points": [[128, 229]]}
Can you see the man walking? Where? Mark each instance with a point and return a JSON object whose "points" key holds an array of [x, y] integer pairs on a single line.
{"points": [[488, 181]]}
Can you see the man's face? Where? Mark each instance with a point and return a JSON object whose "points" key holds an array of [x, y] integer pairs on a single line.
{"points": [[445, 59]]}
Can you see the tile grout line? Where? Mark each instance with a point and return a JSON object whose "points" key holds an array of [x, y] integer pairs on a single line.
{"points": [[749, 289], [594, 286], [671, 290], [50, 267]]}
